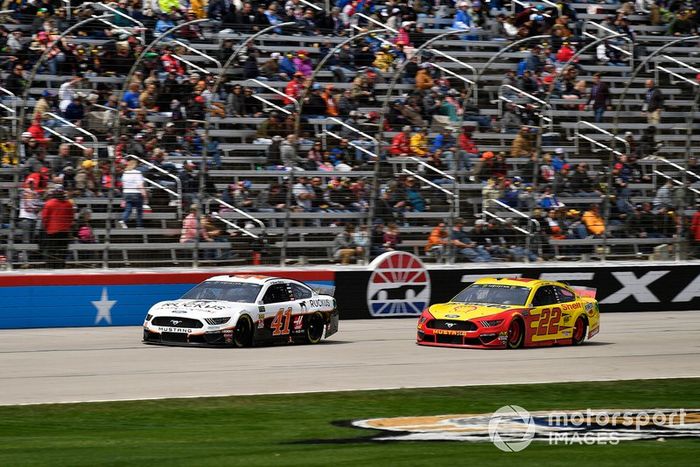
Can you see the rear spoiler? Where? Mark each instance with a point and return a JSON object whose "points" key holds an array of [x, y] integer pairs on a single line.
{"points": [[323, 289], [585, 291]]}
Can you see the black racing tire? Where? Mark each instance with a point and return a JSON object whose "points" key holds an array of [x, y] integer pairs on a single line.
{"points": [[313, 332], [578, 334], [516, 334], [243, 334]]}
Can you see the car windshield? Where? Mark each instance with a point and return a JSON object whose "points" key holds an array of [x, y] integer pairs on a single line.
{"points": [[497, 294], [241, 292]]}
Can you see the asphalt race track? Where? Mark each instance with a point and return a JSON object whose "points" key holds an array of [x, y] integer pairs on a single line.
{"points": [[94, 364]]}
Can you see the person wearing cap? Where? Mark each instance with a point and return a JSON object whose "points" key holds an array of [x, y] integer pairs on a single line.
{"points": [[384, 59], [462, 18], [401, 143], [294, 88], [314, 103], [464, 245], [57, 222]]}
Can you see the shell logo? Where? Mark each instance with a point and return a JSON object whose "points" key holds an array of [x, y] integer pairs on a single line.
{"points": [[398, 286]]}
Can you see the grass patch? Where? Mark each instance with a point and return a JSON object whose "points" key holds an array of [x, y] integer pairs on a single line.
{"points": [[273, 430]]}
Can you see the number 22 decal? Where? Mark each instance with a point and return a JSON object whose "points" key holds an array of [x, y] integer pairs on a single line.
{"points": [[549, 321], [280, 325]]}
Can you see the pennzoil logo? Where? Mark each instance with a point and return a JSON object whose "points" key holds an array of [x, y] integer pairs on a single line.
{"points": [[398, 286], [512, 428]]}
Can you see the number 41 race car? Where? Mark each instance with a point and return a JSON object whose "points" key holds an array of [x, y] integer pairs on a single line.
{"points": [[511, 313], [241, 311]]}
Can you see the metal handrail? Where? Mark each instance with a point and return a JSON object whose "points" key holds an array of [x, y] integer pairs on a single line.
{"points": [[681, 168], [73, 125], [68, 7], [672, 59], [672, 73], [270, 88], [237, 227], [188, 63], [533, 98], [239, 211], [677, 182], [117, 12], [178, 182], [114, 26], [158, 185], [14, 107], [503, 221], [378, 23], [281, 109], [517, 213], [350, 127], [315, 7], [434, 185], [605, 132], [473, 81], [198, 52], [626, 52], [63, 137], [434, 169], [359, 148]]}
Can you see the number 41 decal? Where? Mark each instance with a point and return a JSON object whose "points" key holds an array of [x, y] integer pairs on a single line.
{"points": [[280, 325]]}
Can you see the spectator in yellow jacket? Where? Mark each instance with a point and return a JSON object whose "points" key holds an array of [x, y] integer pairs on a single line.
{"points": [[384, 59], [593, 221], [419, 143]]}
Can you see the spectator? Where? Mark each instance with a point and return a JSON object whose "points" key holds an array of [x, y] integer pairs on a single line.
{"points": [[419, 143], [134, 192], [401, 143], [664, 196], [522, 144], [57, 221], [361, 239], [599, 100], [392, 237], [653, 103], [465, 246], [191, 231], [344, 247], [595, 225], [437, 241]]}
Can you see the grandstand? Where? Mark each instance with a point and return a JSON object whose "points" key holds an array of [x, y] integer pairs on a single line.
{"points": [[523, 131]]}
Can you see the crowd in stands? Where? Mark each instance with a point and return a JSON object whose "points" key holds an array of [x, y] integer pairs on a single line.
{"points": [[435, 118]]}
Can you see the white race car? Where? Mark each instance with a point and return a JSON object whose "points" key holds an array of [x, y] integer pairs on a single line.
{"points": [[241, 311]]}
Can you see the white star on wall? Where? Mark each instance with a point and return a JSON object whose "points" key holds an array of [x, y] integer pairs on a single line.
{"points": [[104, 308]]}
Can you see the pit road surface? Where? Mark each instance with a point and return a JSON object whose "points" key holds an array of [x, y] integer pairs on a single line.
{"points": [[90, 364]]}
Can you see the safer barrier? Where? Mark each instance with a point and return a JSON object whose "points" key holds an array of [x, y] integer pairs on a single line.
{"points": [[395, 284]]}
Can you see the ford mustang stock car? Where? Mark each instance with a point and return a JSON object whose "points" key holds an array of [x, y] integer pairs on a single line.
{"points": [[242, 311], [511, 313]]}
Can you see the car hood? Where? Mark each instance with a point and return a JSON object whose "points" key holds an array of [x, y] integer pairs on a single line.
{"points": [[467, 311], [197, 308]]}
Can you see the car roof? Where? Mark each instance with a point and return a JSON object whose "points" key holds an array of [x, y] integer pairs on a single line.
{"points": [[516, 281], [247, 278]]}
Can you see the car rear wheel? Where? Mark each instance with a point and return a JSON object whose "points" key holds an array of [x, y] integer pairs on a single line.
{"points": [[243, 334], [314, 328], [516, 334], [579, 333]]}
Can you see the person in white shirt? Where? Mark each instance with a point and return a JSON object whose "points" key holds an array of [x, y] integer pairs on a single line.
{"points": [[67, 92], [134, 192]]}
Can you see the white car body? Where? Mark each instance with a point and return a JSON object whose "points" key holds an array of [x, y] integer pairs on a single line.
{"points": [[223, 307]]}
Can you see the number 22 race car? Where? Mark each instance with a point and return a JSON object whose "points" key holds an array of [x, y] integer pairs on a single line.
{"points": [[511, 313], [241, 311]]}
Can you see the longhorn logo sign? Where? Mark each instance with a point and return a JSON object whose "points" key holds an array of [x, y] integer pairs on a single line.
{"points": [[398, 286]]}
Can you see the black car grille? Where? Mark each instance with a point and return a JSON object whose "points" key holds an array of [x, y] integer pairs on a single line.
{"points": [[173, 337], [456, 340], [452, 325], [177, 322]]}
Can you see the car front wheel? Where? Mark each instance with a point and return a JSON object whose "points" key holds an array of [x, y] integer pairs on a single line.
{"points": [[243, 334], [516, 334]]}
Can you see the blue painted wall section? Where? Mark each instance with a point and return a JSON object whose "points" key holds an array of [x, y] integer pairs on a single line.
{"points": [[95, 300]]}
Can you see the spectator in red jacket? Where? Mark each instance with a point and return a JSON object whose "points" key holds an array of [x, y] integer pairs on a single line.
{"points": [[695, 231], [57, 219], [401, 143], [294, 88], [466, 144]]}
